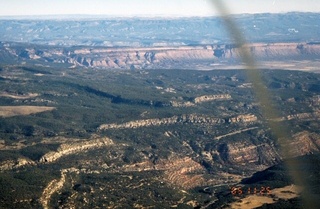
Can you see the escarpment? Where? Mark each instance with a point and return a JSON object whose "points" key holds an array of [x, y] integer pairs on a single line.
{"points": [[273, 51], [72, 148], [246, 152], [191, 118], [163, 57], [304, 143]]}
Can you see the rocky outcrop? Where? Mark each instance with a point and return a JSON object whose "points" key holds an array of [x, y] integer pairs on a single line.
{"points": [[269, 51], [200, 99], [243, 118], [181, 104], [73, 148], [54, 186], [192, 118], [208, 98], [13, 164], [303, 143], [245, 152], [304, 116]]}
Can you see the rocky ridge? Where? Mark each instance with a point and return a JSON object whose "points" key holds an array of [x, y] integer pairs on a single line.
{"points": [[304, 116], [54, 186], [13, 164], [246, 152], [72, 148], [200, 99], [192, 118], [304, 143], [207, 98]]}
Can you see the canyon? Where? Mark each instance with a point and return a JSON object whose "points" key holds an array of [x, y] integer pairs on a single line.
{"points": [[179, 57]]}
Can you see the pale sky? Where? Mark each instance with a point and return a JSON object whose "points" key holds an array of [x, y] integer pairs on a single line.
{"points": [[150, 7]]}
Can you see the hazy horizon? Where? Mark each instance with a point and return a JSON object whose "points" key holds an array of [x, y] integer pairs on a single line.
{"points": [[156, 8]]}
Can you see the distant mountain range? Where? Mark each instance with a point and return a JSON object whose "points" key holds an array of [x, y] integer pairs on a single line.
{"points": [[141, 32]]}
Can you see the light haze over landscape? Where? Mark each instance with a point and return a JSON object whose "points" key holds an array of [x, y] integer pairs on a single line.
{"points": [[150, 8], [159, 104]]}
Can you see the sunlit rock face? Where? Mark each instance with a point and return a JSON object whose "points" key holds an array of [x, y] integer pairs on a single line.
{"points": [[162, 57]]}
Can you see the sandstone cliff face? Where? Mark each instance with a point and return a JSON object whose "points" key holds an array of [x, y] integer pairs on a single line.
{"points": [[192, 118], [244, 118], [163, 57], [148, 57], [207, 98], [245, 152], [274, 51], [200, 99], [304, 143], [72, 148], [136, 57], [305, 116]]}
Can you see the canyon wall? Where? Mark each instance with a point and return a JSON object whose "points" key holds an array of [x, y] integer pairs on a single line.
{"points": [[162, 57]]}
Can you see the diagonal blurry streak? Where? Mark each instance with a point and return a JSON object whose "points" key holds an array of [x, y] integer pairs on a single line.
{"points": [[280, 130]]}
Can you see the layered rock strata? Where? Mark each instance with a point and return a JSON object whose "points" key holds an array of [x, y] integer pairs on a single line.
{"points": [[162, 57], [192, 118], [72, 148]]}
